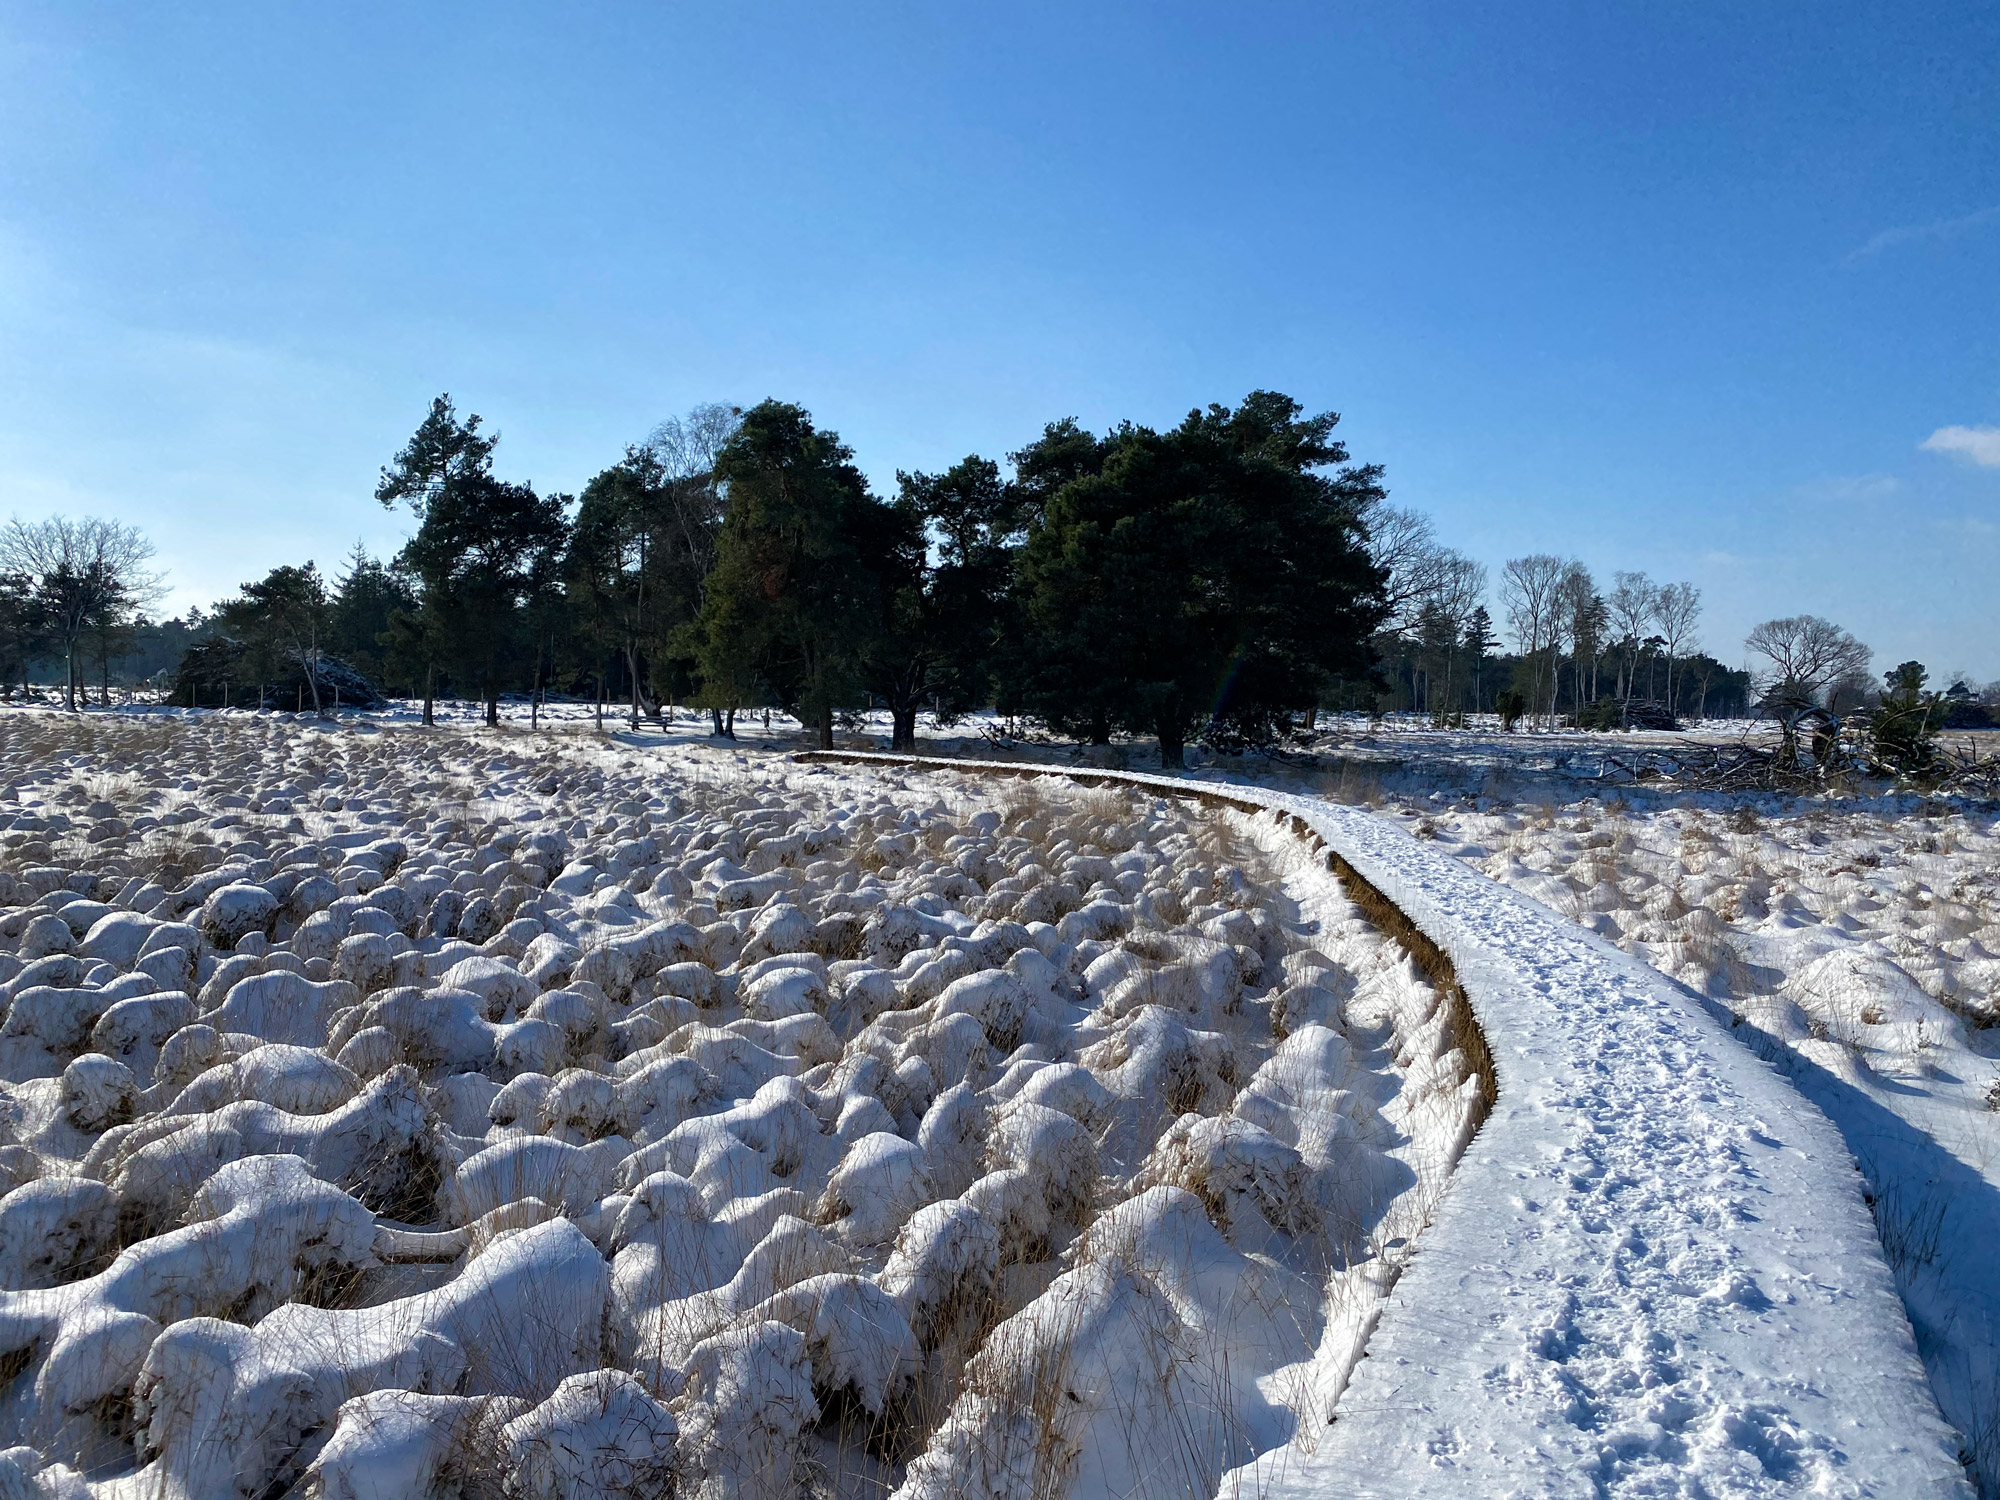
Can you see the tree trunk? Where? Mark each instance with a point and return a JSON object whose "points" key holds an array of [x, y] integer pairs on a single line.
{"points": [[903, 729], [1100, 730], [1173, 749], [729, 725], [430, 693], [643, 702], [492, 706], [600, 703], [826, 726], [715, 722]]}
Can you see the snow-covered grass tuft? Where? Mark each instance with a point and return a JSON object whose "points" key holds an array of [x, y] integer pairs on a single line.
{"points": [[401, 1112]]}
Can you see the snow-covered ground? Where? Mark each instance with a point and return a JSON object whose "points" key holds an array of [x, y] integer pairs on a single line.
{"points": [[1653, 1272], [1856, 945], [399, 1112], [1349, 757], [391, 1113]]}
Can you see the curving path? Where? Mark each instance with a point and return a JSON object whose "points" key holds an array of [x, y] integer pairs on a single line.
{"points": [[1652, 1274]]}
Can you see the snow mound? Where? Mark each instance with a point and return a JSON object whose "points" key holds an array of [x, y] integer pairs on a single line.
{"points": [[417, 1115]]}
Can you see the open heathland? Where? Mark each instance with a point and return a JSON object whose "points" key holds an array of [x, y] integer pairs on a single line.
{"points": [[405, 1112]]}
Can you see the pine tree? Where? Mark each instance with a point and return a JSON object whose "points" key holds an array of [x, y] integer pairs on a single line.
{"points": [[632, 572], [1211, 578], [481, 547], [793, 606], [443, 457], [366, 594], [945, 548], [1480, 642], [281, 621], [20, 630]]}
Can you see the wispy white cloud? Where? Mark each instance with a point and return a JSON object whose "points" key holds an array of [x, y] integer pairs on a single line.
{"points": [[1979, 445], [1968, 526], [1904, 234], [1850, 489]]}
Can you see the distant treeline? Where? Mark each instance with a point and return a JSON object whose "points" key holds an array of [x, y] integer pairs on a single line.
{"points": [[1223, 581]]}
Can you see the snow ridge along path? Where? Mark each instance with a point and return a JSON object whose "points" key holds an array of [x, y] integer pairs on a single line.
{"points": [[1652, 1274]]}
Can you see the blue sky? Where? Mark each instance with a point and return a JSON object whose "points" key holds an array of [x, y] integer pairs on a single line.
{"points": [[1685, 288]]}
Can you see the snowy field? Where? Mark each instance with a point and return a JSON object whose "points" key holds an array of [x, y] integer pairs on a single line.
{"points": [[391, 1113], [1856, 945]]}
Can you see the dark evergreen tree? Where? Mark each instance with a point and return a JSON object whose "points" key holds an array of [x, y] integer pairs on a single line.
{"points": [[413, 649], [22, 636], [547, 615], [626, 573], [687, 448], [944, 547], [159, 645], [443, 458], [1212, 578], [481, 547], [1047, 664], [1479, 645], [281, 621], [368, 593], [794, 602], [209, 672], [481, 551]]}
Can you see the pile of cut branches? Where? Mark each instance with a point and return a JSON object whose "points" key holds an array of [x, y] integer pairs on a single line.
{"points": [[1842, 754]]}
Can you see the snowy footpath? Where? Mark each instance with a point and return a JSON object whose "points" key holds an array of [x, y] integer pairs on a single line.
{"points": [[1653, 1273]]}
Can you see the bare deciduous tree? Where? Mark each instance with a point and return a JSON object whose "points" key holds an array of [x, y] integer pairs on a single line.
{"points": [[686, 448], [1459, 587], [1405, 546], [1588, 618], [1575, 628], [87, 573], [1676, 609], [1631, 605], [1530, 590], [1809, 658], [1806, 653], [1437, 624]]}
